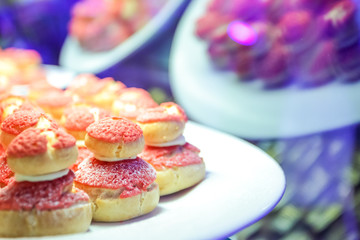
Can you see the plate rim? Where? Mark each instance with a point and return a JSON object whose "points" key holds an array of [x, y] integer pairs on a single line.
{"points": [[72, 54], [281, 177], [282, 108]]}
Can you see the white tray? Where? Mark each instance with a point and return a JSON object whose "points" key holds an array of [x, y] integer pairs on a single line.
{"points": [[242, 185]]}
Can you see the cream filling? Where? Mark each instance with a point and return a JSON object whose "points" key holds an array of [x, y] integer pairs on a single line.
{"points": [[95, 112], [10, 109], [124, 106], [43, 123], [173, 110], [80, 143], [41, 178], [178, 141], [109, 159], [51, 138]]}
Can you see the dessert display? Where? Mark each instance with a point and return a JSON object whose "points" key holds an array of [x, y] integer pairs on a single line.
{"points": [[282, 43], [41, 199], [131, 101], [100, 25], [65, 161], [120, 184], [177, 163]]}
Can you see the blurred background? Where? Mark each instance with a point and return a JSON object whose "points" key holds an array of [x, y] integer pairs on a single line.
{"points": [[265, 48]]}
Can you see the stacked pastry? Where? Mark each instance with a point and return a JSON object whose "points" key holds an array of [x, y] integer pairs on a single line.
{"points": [[120, 184], [75, 120], [177, 163], [41, 200], [52, 130]]}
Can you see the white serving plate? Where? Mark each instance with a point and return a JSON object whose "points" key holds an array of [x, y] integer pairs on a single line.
{"points": [[218, 99], [76, 58], [242, 185]]}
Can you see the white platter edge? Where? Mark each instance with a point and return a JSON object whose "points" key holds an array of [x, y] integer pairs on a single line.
{"points": [[218, 99], [74, 57], [184, 216]]}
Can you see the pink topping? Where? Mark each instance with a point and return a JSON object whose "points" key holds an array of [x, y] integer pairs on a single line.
{"points": [[137, 97], [28, 143], [47, 195], [174, 156], [81, 84], [273, 67], [159, 114], [86, 85], [119, 85], [27, 106], [134, 175], [6, 175], [31, 142], [79, 118], [64, 140], [83, 153], [19, 121], [55, 99], [89, 9], [22, 57], [295, 26], [115, 130]]}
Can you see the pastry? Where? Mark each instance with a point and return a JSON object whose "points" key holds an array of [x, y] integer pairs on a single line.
{"points": [[120, 190], [20, 120], [131, 101], [54, 103], [41, 151], [177, 163], [95, 91], [111, 139], [76, 119], [41, 199], [177, 167], [165, 123], [43, 208], [121, 185], [83, 153]]}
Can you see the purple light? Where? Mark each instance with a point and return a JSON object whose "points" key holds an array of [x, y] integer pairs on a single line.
{"points": [[242, 33]]}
